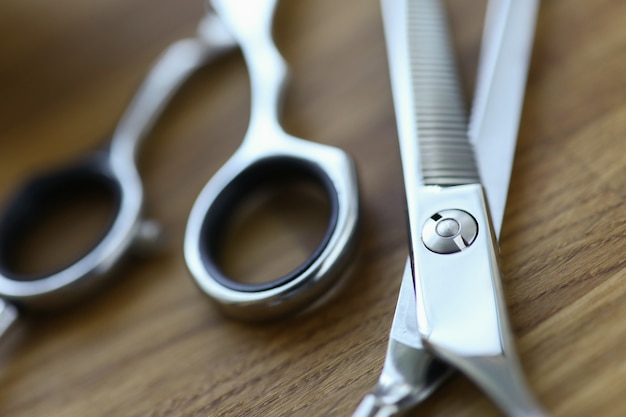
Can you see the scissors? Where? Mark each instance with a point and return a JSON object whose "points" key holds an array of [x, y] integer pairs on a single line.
{"points": [[269, 156], [113, 173], [451, 313]]}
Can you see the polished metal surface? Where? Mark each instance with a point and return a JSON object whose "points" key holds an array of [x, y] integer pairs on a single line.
{"points": [[410, 373], [499, 95], [250, 22], [449, 231], [459, 305], [445, 154], [176, 64]]}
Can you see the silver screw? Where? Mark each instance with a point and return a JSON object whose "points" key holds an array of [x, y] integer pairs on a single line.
{"points": [[449, 231]]}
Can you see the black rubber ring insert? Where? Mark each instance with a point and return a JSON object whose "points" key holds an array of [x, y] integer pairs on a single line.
{"points": [[268, 171], [30, 204]]}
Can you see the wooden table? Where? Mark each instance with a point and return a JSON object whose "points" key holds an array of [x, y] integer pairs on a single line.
{"points": [[153, 345]]}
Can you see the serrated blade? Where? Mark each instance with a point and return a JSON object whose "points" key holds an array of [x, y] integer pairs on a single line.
{"points": [[445, 154]]}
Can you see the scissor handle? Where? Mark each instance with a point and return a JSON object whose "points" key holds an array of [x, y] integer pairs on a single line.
{"points": [[247, 170], [32, 202], [112, 172]]}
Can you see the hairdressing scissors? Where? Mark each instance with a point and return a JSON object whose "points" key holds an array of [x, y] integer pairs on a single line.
{"points": [[111, 171], [451, 311], [268, 155]]}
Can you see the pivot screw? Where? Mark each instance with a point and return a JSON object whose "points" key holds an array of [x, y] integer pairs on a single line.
{"points": [[449, 231]]}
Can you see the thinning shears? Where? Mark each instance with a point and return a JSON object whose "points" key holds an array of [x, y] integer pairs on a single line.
{"points": [[451, 312]]}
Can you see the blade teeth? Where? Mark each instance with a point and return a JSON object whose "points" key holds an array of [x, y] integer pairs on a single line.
{"points": [[446, 156], [449, 181]]}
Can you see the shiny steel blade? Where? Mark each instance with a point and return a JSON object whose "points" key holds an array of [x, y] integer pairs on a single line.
{"points": [[501, 82], [460, 308], [432, 128], [446, 156], [410, 373]]}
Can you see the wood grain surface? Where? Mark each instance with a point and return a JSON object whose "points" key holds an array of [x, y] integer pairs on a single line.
{"points": [[151, 344]]}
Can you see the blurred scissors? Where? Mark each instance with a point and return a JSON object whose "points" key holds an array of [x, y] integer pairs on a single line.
{"points": [[267, 156], [451, 311], [113, 172]]}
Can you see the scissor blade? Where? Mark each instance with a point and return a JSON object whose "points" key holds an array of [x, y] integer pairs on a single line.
{"points": [[501, 82], [430, 111], [404, 325], [410, 373], [460, 308]]}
